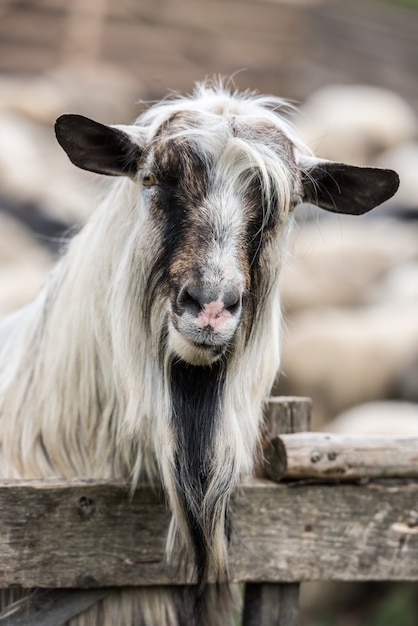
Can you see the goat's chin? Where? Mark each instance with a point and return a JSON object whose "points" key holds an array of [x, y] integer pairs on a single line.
{"points": [[193, 353]]}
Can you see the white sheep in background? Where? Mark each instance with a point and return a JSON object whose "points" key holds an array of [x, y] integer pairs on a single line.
{"points": [[356, 122], [152, 348], [386, 418]]}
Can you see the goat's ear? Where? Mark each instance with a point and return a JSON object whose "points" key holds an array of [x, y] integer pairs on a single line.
{"points": [[96, 147], [344, 188]]}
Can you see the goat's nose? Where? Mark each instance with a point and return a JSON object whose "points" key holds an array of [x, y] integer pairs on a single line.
{"points": [[210, 307]]}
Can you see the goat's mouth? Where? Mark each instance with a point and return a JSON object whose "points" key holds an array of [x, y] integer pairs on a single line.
{"points": [[197, 346]]}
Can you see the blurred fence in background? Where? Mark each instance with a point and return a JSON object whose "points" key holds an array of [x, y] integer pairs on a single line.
{"points": [[286, 47]]}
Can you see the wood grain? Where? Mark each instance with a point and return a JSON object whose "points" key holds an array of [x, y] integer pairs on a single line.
{"points": [[267, 604], [340, 457], [82, 534], [87, 534], [304, 532]]}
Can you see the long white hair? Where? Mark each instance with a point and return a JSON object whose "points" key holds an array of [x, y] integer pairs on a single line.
{"points": [[118, 369]]}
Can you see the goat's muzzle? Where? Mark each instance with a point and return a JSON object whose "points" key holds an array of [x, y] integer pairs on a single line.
{"points": [[204, 320]]}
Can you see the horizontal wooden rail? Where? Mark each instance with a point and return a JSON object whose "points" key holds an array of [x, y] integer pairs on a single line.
{"points": [[80, 539], [343, 457], [90, 534]]}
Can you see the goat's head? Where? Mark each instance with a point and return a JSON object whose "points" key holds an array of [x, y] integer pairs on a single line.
{"points": [[218, 175]]}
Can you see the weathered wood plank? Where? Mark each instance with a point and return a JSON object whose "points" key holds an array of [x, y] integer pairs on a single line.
{"points": [[283, 414], [85, 535], [341, 457], [82, 534], [287, 414], [326, 532], [277, 604]]}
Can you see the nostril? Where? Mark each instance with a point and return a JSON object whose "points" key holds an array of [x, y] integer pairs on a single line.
{"points": [[233, 302], [189, 299], [234, 308], [191, 305]]}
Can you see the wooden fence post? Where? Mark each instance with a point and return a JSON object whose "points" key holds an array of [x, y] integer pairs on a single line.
{"points": [[277, 604]]}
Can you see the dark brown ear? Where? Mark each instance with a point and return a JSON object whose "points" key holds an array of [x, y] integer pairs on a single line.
{"points": [[96, 147], [347, 189]]}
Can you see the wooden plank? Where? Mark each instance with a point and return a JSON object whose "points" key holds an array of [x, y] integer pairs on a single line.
{"points": [[327, 532], [341, 457], [277, 604], [82, 534], [287, 414], [283, 414]]}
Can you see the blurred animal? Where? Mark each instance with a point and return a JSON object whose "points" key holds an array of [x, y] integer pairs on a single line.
{"points": [[152, 348], [387, 418]]}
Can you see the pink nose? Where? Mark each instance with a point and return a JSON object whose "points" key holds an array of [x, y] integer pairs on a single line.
{"points": [[213, 314], [208, 307]]}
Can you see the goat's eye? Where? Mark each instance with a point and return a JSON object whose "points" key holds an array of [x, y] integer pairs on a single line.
{"points": [[148, 179]]}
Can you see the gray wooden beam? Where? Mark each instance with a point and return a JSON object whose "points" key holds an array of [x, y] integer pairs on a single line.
{"points": [[92, 534], [325, 456], [267, 604]]}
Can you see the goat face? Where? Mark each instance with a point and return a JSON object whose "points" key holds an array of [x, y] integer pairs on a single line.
{"points": [[217, 191], [219, 176], [211, 206]]}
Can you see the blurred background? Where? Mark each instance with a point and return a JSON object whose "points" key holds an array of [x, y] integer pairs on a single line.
{"points": [[350, 287]]}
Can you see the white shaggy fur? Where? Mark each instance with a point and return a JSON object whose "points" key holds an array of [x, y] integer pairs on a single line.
{"points": [[82, 388]]}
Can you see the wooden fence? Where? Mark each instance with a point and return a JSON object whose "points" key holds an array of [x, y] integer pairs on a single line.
{"points": [[287, 48], [344, 509]]}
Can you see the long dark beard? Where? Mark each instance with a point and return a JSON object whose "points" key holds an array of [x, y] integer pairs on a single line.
{"points": [[197, 403]]}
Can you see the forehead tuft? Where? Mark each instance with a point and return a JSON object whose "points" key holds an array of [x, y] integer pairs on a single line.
{"points": [[213, 108], [213, 137]]}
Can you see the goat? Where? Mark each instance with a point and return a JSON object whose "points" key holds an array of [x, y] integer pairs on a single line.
{"points": [[154, 344]]}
